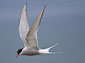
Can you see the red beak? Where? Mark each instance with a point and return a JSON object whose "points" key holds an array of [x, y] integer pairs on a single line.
{"points": [[17, 55]]}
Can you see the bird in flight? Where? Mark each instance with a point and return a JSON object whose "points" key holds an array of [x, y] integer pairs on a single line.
{"points": [[29, 36]]}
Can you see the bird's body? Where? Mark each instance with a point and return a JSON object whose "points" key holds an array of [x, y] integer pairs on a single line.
{"points": [[29, 36], [29, 52]]}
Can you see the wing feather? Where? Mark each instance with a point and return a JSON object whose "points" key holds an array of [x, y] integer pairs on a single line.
{"points": [[23, 27], [32, 34]]}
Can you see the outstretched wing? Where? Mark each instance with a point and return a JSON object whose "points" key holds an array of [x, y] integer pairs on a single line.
{"points": [[32, 34], [23, 27]]}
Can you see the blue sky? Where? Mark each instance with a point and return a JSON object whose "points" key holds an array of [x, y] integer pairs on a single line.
{"points": [[63, 22]]}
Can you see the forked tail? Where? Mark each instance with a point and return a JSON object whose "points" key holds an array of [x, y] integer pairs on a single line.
{"points": [[47, 50], [53, 46]]}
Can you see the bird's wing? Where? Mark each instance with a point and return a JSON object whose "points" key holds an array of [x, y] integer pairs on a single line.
{"points": [[24, 27], [32, 34]]}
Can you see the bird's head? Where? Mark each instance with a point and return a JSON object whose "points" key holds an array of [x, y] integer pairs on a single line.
{"points": [[19, 51]]}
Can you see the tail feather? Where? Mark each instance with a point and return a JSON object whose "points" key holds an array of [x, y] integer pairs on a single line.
{"points": [[53, 46], [47, 50]]}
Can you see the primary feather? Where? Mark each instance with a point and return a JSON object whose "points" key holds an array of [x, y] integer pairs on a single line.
{"points": [[32, 34], [24, 27], [29, 37]]}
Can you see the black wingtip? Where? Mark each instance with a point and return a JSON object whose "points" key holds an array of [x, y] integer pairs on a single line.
{"points": [[26, 3], [45, 6]]}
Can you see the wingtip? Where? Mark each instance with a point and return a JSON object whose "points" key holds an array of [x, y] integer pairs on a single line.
{"points": [[44, 6], [25, 4]]}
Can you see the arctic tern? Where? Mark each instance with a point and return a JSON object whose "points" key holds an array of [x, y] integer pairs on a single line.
{"points": [[29, 36]]}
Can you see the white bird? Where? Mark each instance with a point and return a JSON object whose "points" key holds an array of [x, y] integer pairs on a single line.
{"points": [[29, 36]]}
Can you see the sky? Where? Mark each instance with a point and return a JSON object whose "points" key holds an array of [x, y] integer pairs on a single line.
{"points": [[63, 22]]}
